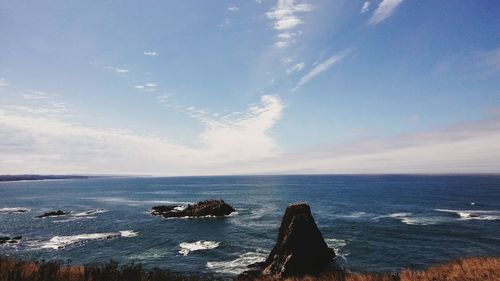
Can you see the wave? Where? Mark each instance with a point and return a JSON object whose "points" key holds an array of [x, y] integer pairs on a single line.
{"points": [[72, 219], [186, 247], [90, 212], [61, 242], [353, 215], [134, 203], [410, 219], [238, 265], [14, 210], [473, 214], [337, 245]]}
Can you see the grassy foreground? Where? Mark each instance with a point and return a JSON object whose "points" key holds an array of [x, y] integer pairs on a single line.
{"points": [[469, 269]]}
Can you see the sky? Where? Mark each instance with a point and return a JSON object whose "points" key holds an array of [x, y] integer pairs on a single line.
{"points": [[176, 88]]}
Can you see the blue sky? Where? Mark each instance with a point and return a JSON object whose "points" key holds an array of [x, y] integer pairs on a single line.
{"points": [[249, 87]]}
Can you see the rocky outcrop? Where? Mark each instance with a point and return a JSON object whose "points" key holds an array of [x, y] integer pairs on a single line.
{"points": [[300, 248], [205, 208], [52, 214], [6, 239]]}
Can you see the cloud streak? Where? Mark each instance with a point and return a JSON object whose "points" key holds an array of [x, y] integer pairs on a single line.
{"points": [[150, 53], [321, 67], [286, 18], [366, 7], [385, 9]]}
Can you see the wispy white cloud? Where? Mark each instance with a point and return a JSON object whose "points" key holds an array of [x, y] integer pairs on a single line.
{"points": [[286, 18], [37, 103], [366, 7], [150, 53], [297, 67], [48, 145], [233, 9], [323, 66], [121, 70], [140, 87], [385, 9], [36, 95], [3, 82], [286, 60], [473, 64], [471, 147], [150, 85]]}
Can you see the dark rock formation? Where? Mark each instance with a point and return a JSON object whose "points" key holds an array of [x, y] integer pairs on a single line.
{"points": [[6, 239], [52, 214], [300, 249], [201, 209]]}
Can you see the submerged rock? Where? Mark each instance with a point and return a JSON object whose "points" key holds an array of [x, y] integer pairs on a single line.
{"points": [[52, 214], [201, 209], [300, 248], [6, 239]]}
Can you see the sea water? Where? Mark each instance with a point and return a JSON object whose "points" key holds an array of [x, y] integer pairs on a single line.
{"points": [[374, 223]]}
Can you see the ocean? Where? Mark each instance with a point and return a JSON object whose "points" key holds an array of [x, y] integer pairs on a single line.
{"points": [[374, 223]]}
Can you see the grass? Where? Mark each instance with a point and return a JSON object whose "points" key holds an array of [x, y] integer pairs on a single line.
{"points": [[15, 270], [469, 269]]}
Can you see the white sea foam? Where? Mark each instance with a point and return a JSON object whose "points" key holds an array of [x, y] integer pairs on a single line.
{"points": [[353, 215], [186, 247], [60, 242], [90, 212], [72, 219], [410, 219], [180, 208], [14, 210], [337, 245], [128, 233], [474, 214], [238, 265]]}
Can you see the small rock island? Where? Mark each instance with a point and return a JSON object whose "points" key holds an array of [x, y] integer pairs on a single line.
{"points": [[52, 214], [300, 248], [207, 208]]}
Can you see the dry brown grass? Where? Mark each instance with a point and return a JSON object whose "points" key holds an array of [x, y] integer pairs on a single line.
{"points": [[469, 269], [15, 270]]}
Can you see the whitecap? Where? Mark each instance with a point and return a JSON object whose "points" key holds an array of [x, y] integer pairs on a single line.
{"points": [[60, 242], [238, 265], [337, 245], [14, 210], [128, 233], [90, 212], [186, 247], [410, 219], [72, 219], [473, 214], [353, 215]]}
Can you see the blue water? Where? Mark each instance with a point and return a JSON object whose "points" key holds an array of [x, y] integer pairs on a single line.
{"points": [[375, 223]]}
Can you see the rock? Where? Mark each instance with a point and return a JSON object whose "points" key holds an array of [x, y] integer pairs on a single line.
{"points": [[6, 239], [201, 209], [52, 214], [300, 248]]}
